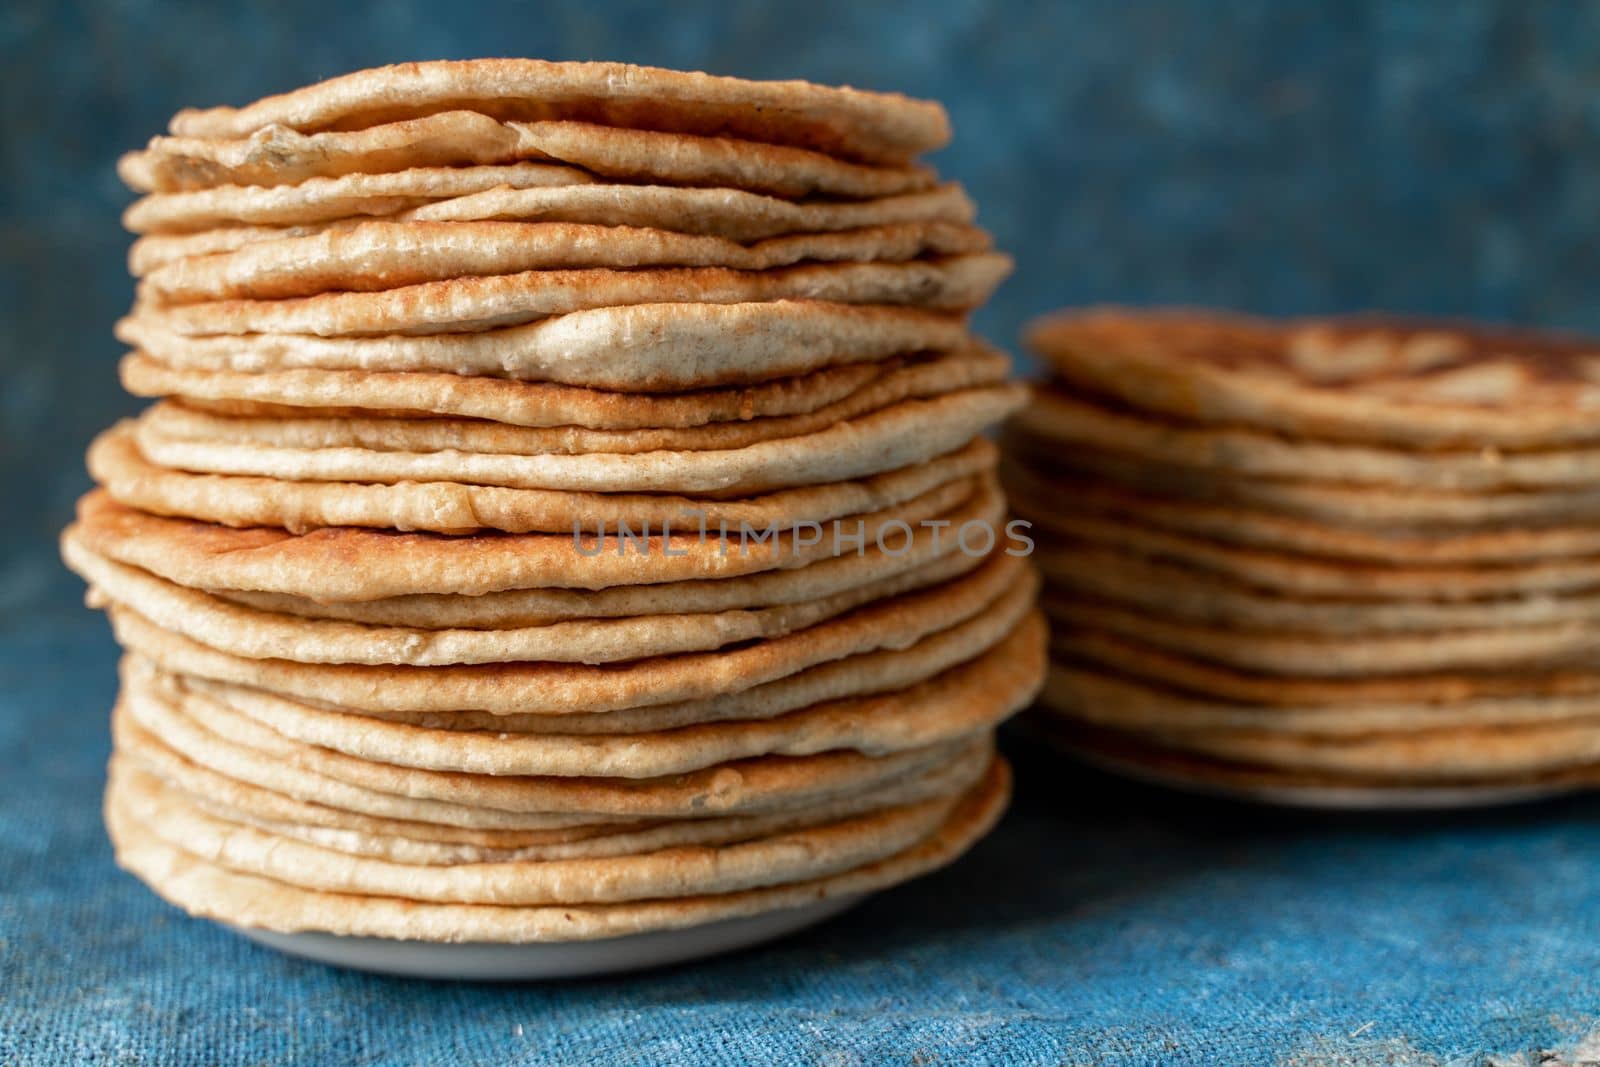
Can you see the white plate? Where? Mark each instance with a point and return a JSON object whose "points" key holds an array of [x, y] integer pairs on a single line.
{"points": [[482, 962], [1336, 797]]}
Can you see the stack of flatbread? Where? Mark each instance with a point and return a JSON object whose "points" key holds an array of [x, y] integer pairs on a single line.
{"points": [[1321, 554], [545, 529]]}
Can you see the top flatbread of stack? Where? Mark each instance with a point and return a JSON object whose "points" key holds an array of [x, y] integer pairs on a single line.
{"points": [[1367, 381], [842, 121], [789, 138]]}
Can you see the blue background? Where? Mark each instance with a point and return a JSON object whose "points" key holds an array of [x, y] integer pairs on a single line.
{"points": [[1281, 157]]}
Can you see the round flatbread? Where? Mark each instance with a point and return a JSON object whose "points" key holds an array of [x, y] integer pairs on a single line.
{"points": [[729, 213], [942, 283], [1413, 384], [1456, 752], [1119, 655], [1274, 653], [206, 889], [683, 347], [829, 576], [240, 214], [1138, 758], [299, 393], [278, 156], [1338, 504], [865, 674], [1250, 528], [1294, 574], [311, 566], [844, 120], [321, 200], [381, 255], [1203, 598], [805, 853], [182, 720], [910, 380], [1058, 418], [450, 507], [904, 434], [256, 634], [1002, 591], [408, 842], [961, 702], [1100, 698]]}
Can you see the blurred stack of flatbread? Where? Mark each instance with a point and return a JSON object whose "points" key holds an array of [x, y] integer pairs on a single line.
{"points": [[537, 535], [1321, 555]]}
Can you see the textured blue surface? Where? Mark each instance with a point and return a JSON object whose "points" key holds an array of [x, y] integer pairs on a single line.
{"points": [[1278, 156]]}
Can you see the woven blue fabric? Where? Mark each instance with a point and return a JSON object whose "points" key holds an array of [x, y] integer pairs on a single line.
{"points": [[1101, 924], [1421, 156]]}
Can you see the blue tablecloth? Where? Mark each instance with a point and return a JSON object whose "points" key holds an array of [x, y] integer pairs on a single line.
{"points": [[1102, 923]]}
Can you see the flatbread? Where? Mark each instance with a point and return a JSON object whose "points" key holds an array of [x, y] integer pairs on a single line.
{"points": [[136, 747], [729, 213], [645, 347], [407, 842], [329, 199], [205, 889], [155, 251], [1202, 598], [1131, 755], [749, 217], [917, 379], [450, 507], [1246, 527], [959, 703], [1455, 752], [382, 255], [231, 217], [1119, 655], [1083, 692], [368, 394], [1275, 653], [1001, 590], [256, 755], [846, 121], [145, 715], [257, 634], [1059, 418], [827, 577], [1297, 575], [1339, 504], [904, 434], [1415, 384], [942, 283], [312, 566], [653, 157], [903, 779], [864, 674], [785, 857], [278, 156]]}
